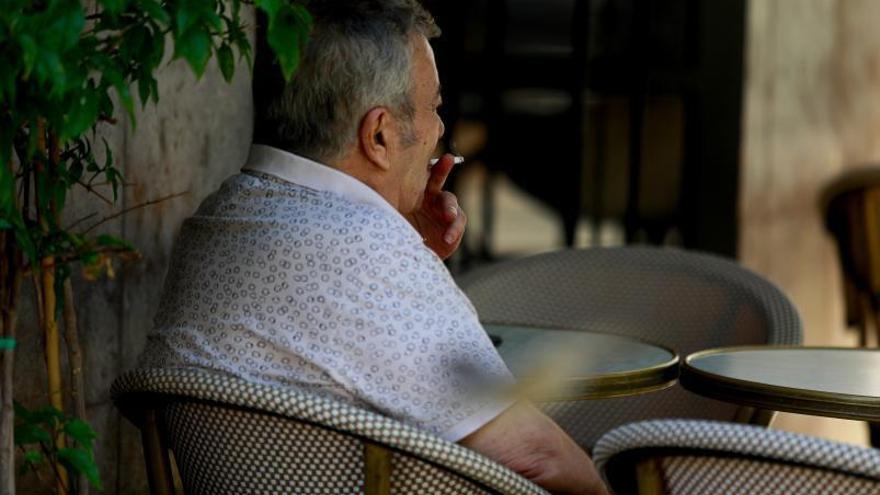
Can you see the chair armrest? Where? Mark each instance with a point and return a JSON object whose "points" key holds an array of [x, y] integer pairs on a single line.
{"points": [[202, 385], [733, 439]]}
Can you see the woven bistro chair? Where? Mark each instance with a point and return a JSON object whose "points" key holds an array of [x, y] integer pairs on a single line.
{"points": [[231, 436], [690, 457], [684, 300]]}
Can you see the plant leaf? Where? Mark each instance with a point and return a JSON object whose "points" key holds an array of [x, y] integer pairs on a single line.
{"points": [[287, 35], [270, 7], [82, 114], [226, 62], [29, 433], [154, 89], [127, 102], [143, 84], [136, 44], [114, 6], [82, 461], [195, 47], [66, 24], [7, 193], [108, 154], [47, 414], [80, 431], [186, 17], [33, 457], [28, 53], [154, 9]]}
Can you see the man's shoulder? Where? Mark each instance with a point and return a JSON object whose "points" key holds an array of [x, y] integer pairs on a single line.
{"points": [[261, 201], [254, 194]]}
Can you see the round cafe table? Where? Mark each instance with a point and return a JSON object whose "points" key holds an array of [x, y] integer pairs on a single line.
{"points": [[824, 381], [582, 365]]}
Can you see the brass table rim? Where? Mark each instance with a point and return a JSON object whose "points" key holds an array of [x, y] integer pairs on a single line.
{"points": [[646, 379], [777, 397]]}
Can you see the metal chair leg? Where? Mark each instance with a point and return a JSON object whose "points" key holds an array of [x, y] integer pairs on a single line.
{"points": [[754, 416]]}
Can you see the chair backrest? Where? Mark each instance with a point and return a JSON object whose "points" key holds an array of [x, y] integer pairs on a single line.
{"points": [[228, 435], [851, 207], [684, 300], [689, 457]]}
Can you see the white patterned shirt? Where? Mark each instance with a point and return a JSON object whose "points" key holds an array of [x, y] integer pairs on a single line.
{"points": [[296, 274]]}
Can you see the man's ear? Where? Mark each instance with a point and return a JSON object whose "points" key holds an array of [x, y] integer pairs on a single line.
{"points": [[375, 137]]}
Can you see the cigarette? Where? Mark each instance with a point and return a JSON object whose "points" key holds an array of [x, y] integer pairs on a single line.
{"points": [[457, 160]]}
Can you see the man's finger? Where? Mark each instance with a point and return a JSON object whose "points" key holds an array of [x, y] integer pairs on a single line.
{"points": [[455, 230], [439, 173], [446, 205]]}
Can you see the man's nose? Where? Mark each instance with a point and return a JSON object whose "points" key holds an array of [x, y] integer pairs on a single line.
{"points": [[442, 129]]}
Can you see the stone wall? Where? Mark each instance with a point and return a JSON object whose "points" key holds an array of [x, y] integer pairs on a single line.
{"points": [[812, 110]]}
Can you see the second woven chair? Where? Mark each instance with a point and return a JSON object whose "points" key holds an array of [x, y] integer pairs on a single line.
{"points": [[683, 300], [688, 457]]}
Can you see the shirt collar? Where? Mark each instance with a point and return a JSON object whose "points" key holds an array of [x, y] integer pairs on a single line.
{"points": [[313, 175]]}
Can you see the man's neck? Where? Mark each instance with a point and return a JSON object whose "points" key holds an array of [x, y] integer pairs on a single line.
{"points": [[363, 170]]}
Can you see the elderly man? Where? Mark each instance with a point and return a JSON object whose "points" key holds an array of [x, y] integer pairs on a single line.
{"points": [[320, 265]]}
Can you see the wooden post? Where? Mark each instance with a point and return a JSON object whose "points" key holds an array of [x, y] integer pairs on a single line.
{"points": [[377, 469], [649, 476], [156, 455]]}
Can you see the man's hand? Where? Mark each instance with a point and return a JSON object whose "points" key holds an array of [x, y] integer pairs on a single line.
{"points": [[531, 444], [439, 219]]}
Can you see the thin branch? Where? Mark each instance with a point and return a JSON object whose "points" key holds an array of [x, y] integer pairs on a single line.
{"points": [[135, 207], [34, 467], [38, 294], [74, 357], [59, 478], [61, 258], [95, 192], [54, 159], [81, 220], [106, 183]]}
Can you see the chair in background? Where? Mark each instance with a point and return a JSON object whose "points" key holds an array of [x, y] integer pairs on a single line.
{"points": [[851, 208], [690, 457], [534, 104], [231, 436], [686, 301]]}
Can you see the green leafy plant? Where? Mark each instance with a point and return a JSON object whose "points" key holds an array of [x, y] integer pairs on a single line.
{"points": [[66, 66], [34, 432]]}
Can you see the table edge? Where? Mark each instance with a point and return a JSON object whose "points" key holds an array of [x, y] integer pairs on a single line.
{"points": [[776, 397], [619, 384]]}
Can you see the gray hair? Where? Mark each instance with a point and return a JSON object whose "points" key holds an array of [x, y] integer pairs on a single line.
{"points": [[358, 57]]}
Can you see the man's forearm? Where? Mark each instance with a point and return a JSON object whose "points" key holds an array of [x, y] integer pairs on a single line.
{"points": [[531, 444]]}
